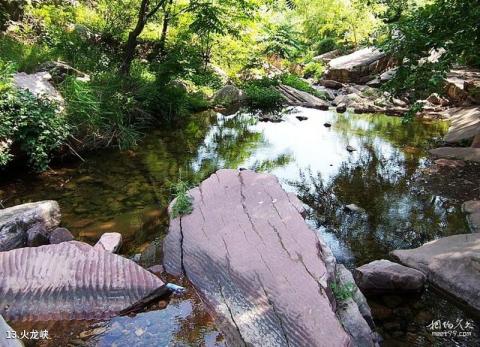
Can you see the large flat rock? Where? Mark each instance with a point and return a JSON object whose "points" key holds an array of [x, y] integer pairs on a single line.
{"points": [[357, 66], [16, 221], [451, 263], [295, 97], [465, 124], [69, 281], [259, 268], [462, 153]]}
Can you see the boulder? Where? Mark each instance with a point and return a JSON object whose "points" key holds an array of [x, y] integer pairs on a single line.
{"points": [[384, 276], [295, 97], [436, 99], [69, 281], [60, 235], [472, 88], [255, 262], [5, 335], [228, 95], [464, 124], [110, 242], [37, 235], [472, 209], [341, 108], [38, 84], [59, 71], [16, 221], [358, 66], [450, 263], [331, 84], [462, 153], [354, 312], [457, 83]]}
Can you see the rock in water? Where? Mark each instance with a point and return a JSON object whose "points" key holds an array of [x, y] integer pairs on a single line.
{"points": [[69, 281], [384, 276], [295, 97], [228, 95], [5, 333], [351, 148], [16, 221], [110, 242], [450, 263], [472, 209], [255, 262]]}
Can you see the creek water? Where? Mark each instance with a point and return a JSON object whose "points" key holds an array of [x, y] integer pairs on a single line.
{"points": [[129, 192]]}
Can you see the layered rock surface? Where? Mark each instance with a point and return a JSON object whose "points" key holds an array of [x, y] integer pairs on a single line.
{"points": [[69, 281], [295, 97], [259, 268], [451, 263]]}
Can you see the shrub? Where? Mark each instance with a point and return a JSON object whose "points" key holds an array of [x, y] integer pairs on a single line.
{"points": [[262, 97], [314, 70], [343, 292], [183, 201], [33, 124], [326, 45], [300, 84]]}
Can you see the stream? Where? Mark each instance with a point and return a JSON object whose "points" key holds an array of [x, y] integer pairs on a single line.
{"points": [[129, 191]]}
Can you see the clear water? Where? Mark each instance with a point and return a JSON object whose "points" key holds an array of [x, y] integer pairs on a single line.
{"points": [[129, 191]]}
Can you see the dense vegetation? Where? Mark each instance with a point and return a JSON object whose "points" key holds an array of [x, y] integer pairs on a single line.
{"points": [[152, 62]]}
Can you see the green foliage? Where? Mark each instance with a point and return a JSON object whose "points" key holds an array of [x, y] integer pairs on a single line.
{"points": [[183, 201], [314, 70], [343, 292], [298, 83], [325, 45], [445, 28], [33, 124], [281, 41], [412, 113], [262, 94]]}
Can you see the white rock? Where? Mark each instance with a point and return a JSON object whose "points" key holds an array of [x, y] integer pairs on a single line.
{"points": [[110, 242]]}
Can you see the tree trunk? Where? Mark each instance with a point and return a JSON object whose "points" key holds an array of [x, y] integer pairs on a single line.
{"points": [[132, 41], [163, 37]]}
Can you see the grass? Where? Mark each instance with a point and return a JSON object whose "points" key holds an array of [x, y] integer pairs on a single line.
{"points": [[343, 292], [183, 201]]}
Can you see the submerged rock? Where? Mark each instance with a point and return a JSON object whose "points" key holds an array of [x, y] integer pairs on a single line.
{"points": [[69, 281], [384, 276], [16, 221], [259, 268], [451, 263]]}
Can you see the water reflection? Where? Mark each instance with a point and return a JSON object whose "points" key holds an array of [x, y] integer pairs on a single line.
{"points": [[130, 191]]}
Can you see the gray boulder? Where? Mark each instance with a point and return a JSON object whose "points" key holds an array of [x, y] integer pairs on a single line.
{"points": [[37, 235], [39, 85], [60, 235], [228, 95], [16, 221], [384, 276], [451, 263], [354, 312], [472, 209]]}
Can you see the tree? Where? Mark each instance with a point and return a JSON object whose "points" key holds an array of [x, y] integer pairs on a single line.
{"points": [[146, 11]]}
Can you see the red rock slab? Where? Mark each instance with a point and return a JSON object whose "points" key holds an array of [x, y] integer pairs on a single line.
{"points": [[69, 281], [255, 263]]}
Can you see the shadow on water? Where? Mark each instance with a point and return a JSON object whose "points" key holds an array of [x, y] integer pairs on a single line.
{"points": [[129, 191]]}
